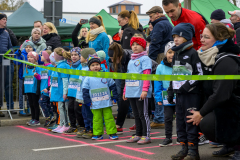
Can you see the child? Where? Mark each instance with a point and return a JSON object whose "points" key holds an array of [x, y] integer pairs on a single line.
{"points": [[86, 133], [185, 62], [59, 88], [31, 87], [138, 91], [102, 56], [74, 111], [44, 100], [98, 92], [160, 91], [22, 55]]}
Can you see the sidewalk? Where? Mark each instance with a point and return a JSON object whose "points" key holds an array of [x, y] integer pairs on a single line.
{"points": [[20, 120]]}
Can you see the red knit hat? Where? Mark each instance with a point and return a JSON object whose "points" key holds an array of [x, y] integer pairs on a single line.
{"points": [[138, 40]]}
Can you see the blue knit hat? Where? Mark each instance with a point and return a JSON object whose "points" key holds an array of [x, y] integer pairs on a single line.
{"points": [[77, 50], [185, 30]]}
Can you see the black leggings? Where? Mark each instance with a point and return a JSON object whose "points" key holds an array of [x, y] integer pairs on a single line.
{"points": [[207, 126], [34, 106], [75, 113]]}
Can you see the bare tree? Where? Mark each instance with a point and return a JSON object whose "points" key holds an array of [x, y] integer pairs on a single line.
{"points": [[11, 4]]}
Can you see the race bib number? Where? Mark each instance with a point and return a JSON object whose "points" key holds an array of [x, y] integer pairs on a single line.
{"points": [[99, 94], [74, 83], [55, 82], [28, 80], [44, 74], [180, 70], [132, 83], [165, 101]]}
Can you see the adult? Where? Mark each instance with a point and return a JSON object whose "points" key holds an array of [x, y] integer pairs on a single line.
{"points": [[219, 117], [97, 37], [50, 35], [79, 40], [6, 44], [160, 35], [129, 22], [218, 16], [235, 19], [38, 24], [120, 58], [38, 41], [178, 15]]}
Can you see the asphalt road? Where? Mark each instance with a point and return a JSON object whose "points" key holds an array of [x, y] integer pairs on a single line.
{"points": [[36, 143]]}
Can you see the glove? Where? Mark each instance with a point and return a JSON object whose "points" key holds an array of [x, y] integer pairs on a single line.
{"points": [[114, 100], [88, 104]]}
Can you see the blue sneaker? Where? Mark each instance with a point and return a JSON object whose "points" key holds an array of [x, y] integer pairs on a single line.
{"points": [[53, 127], [28, 123], [215, 145], [34, 123], [97, 137], [113, 136]]}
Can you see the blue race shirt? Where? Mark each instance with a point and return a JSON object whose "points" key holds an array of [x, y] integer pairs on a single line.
{"points": [[30, 82], [79, 94], [74, 83], [99, 91], [44, 79], [134, 87]]}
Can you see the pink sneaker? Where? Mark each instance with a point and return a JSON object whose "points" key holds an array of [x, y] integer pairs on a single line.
{"points": [[57, 129], [63, 129]]}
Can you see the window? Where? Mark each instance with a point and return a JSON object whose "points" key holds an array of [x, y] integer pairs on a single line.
{"points": [[114, 10], [130, 7]]}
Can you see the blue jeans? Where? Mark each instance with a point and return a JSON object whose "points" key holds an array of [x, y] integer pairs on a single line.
{"points": [[159, 113], [21, 95], [87, 117], [7, 85], [44, 102]]}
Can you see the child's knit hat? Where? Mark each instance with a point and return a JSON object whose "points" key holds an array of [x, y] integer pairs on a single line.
{"points": [[51, 57], [168, 46], [101, 55], [93, 58], [142, 42], [87, 51], [77, 50], [34, 55], [28, 43], [45, 55], [185, 30]]}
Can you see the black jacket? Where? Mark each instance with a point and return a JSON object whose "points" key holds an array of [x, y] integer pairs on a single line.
{"points": [[128, 32], [78, 42], [237, 29], [12, 37], [221, 95], [188, 56], [53, 41]]}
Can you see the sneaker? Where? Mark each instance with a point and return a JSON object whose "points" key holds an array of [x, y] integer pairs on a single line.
{"points": [[224, 152], [133, 139], [57, 129], [119, 131], [97, 137], [154, 125], [113, 136], [80, 133], [202, 140], [177, 142], [51, 121], [47, 122], [130, 116], [30, 122], [182, 153], [71, 130], [133, 128], [215, 145], [35, 123], [88, 135], [166, 142], [144, 140], [63, 129], [53, 127]]}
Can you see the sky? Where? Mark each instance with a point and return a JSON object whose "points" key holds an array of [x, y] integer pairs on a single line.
{"points": [[94, 5]]}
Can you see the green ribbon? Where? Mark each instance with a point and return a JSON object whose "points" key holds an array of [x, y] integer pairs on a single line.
{"points": [[131, 76]]}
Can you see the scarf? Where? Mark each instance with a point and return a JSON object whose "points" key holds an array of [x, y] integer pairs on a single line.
{"points": [[208, 56], [36, 42], [166, 63], [76, 64], [46, 64], [182, 47], [138, 55], [105, 63], [94, 33]]}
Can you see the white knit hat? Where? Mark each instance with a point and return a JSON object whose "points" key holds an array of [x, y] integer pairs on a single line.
{"points": [[168, 46]]}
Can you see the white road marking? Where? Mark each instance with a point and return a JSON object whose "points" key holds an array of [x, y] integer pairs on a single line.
{"points": [[83, 145]]}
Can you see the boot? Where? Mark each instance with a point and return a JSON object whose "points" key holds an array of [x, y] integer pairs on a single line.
{"points": [[224, 152], [236, 155], [182, 153], [193, 153], [1, 114], [21, 113]]}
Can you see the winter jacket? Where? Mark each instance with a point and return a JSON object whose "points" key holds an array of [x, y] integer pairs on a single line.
{"points": [[101, 43], [229, 24], [160, 36], [12, 37], [53, 41], [40, 46], [221, 95], [78, 42], [237, 29], [5, 42], [160, 86], [197, 20], [128, 32]]}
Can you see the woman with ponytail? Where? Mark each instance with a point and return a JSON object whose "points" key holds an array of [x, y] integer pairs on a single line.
{"points": [[129, 22], [97, 37]]}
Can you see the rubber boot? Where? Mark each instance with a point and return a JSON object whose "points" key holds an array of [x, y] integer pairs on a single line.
{"points": [[224, 152], [21, 113], [182, 153], [193, 153], [1, 114]]}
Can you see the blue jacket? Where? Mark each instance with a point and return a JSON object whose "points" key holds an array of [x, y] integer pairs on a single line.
{"points": [[19, 55], [160, 86], [101, 43], [5, 42], [74, 84], [160, 36]]}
